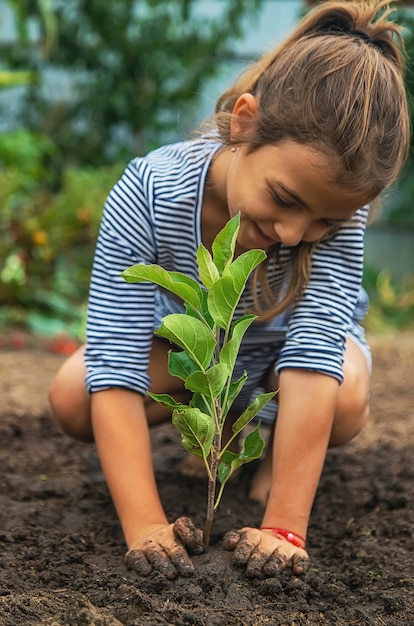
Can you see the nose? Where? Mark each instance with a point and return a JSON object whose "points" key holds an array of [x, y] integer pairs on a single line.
{"points": [[291, 233]]}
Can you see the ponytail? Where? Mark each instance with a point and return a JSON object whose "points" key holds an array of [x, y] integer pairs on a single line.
{"points": [[336, 83]]}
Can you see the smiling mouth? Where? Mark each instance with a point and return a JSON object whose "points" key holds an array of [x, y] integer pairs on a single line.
{"points": [[263, 238]]}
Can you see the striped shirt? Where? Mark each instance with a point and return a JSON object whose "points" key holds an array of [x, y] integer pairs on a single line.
{"points": [[153, 215]]}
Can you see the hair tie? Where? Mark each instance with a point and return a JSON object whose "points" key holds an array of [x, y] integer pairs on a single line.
{"points": [[341, 27], [360, 34]]}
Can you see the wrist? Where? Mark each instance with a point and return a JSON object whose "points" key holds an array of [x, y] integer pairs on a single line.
{"points": [[292, 519], [138, 533]]}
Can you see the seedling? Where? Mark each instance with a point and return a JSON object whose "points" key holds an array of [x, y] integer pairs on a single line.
{"points": [[210, 340]]}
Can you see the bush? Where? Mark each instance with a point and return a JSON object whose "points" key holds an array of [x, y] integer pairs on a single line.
{"points": [[131, 69], [50, 225], [391, 303]]}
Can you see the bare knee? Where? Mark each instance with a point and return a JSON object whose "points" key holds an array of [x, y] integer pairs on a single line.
{"points": [[69, 399], [353, 408], [351, 417]]}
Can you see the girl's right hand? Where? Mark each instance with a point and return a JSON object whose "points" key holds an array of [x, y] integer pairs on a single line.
{"points": [[166, 549]]}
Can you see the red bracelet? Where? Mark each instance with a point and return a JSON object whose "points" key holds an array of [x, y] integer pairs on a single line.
{"points": [[293, 538]]}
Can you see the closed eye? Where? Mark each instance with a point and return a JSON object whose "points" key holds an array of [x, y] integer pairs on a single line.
{"points": [[273, 187], [280, 201], [332, 223]]}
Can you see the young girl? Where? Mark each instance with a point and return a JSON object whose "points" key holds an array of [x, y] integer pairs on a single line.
{"points": [[301, 148]]}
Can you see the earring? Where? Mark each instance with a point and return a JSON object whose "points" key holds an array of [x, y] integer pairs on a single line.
{"points": [[233, 149]]}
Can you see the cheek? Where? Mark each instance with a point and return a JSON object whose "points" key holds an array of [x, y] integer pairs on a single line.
{"points": [[232, 195], [235, 199], [232, 204], [316, 232]]}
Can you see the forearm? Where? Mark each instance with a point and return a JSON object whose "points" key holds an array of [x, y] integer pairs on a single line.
{"points": [[307, 402], [123, 442]]}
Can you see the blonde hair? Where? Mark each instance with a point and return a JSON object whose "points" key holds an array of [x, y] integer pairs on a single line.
{"points": [[336, 83]]}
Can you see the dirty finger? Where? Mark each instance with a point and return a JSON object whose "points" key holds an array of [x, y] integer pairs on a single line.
{"points": [[135, 560], [180, 560], [159, 559], [191, 536], [249, 540], [255, 564], [274, 564], [231, 539], [300, 564]]}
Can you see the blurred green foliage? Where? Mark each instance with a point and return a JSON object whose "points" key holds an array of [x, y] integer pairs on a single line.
{"points": [[47, 17], [391, 303], [49, 226], [399, 206], [131, 69]]}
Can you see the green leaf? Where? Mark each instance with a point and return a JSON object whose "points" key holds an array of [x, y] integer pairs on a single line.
{"points": [[252, 410], [234, 389], [242, 267], [224, 244], [177, 283], [198, 382], [197, 430], [198, 401], [180, 364], [222, 301], [202, 312], [230, 350], [190, 334], [227, 290], [209, 383], [224, 470], [253, 447], [207, 269], [167, 400]]}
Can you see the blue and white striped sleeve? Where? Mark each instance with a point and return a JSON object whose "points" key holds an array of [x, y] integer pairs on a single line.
{"points": [[120, 315], [318, 325]]}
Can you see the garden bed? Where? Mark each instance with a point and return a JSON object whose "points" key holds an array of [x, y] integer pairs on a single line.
{"points": [[61, 556]]}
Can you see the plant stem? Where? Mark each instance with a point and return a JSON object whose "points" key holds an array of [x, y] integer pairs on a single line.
{"points": [[215, 458]]}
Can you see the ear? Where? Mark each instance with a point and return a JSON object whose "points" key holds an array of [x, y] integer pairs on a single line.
{"points": [[244, 111]]}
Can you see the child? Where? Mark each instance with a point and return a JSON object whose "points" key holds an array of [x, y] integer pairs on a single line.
{"points": [[302, 146]]}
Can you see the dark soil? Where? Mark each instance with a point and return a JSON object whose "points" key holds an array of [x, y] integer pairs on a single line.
{"points": [[61, 554]]}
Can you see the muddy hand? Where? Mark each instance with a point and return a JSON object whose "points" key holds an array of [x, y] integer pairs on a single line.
{"points": [[261, 553], [166, 549]]}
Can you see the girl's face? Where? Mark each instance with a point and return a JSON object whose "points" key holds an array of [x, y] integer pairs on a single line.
{"points": [[285, 194]]}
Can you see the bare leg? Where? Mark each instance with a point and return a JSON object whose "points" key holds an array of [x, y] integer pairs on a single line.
{"points": [[352, 410], [69, 400], [260, 485], [71, 403], [351, 414]]}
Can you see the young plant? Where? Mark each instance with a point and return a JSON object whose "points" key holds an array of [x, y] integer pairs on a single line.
{"points": [[210, 340]]}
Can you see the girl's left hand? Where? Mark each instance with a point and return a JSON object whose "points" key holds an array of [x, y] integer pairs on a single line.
{"points": [[263, 553]]}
